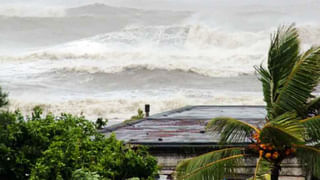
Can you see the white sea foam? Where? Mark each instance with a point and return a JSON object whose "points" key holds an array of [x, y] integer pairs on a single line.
{"points": [[76, 51], [124, 108], [23, 10], [190, 48]]}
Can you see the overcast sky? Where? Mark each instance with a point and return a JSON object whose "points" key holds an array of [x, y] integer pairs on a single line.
{"points": [[265, 12], [171, 4]]}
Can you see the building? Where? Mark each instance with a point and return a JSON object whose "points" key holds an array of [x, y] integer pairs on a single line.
{"points": [[178, 134]]}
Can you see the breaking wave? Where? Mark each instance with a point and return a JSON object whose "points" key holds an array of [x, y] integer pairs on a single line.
{"points": [[124, 108], [189, 48], [106, 61]]}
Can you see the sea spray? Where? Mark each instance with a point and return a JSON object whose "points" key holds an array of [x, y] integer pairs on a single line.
{"points": [[107, 61]]}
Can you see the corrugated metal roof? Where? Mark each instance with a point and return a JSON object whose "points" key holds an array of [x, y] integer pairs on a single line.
{"points": [[184, 126]]}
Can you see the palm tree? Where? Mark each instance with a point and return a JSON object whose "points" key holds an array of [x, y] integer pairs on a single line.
{"points": [[291, 128]]}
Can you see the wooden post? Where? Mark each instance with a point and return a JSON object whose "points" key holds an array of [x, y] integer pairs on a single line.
{"points": [[147, 109]]}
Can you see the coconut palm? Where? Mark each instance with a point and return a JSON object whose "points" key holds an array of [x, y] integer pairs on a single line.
{"points": [[291, 128]]}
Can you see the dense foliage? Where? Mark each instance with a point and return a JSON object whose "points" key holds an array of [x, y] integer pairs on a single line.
{"points": [[66, 147], [291, 128], [3, 98]]}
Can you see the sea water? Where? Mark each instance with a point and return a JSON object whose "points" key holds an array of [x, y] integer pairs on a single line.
{"points": [[109, 58]]}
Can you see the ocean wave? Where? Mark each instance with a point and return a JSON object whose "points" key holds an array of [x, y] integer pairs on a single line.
{"points": [[189, 48], [191, 38], [309, 34], [184, 39], [204, 69], [34, 26], [204, 65], [117, 110], [23, 10], [103, 61]]}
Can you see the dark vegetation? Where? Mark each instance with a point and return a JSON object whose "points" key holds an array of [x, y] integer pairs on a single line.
{"points": [[3, 98], [140, 115], [65, 147]]}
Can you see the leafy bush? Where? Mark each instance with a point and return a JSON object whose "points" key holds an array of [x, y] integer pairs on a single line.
{"points": [[66, 147], [82, 174], [100, 123], [3, 98], [140, 115]]}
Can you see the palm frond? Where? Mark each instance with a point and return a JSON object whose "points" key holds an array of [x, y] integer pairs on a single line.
{"points": [[299, 85], [267, 86], [257, 167], [283, 54], [213, 165], [312, 128], [231, 130], [283, 130], [262, 171], [309, 157]]}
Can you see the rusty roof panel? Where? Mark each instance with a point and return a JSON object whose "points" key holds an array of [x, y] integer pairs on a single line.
{"points": [[183, 126], [209, 112]]}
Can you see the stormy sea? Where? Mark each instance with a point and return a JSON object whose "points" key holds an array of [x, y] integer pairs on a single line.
{"points": [[109, 58]]}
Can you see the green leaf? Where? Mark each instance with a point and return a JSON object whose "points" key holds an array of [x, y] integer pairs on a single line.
{"points": [[53, 147], [312, 128], [262, 171], [299, 85], [283, 54], [267, 86], [3, 98], [309, 157], [231, 130], [213, 165], [283, 130]]}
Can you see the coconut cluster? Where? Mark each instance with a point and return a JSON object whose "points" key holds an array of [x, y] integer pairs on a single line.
{"points": [[269, 151]]}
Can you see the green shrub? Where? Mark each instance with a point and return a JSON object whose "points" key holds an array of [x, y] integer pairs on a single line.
{"points": [[82, 174], [3, 98], [100, 123], [140, 115], [66, 147]]}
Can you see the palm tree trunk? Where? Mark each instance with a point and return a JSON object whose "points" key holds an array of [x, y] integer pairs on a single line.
{"points": [[275, 172]]}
